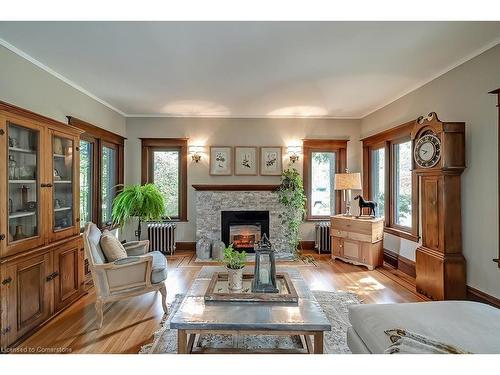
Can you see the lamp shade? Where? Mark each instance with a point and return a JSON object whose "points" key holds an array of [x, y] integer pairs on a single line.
{"points": [[195, 149], [294, 149], [346, 181]]}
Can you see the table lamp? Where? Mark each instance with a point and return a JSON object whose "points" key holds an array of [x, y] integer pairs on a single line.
{"points": [[347, 182]]}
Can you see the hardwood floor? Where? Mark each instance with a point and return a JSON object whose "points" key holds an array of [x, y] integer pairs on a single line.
{"points": [[130, 324]]}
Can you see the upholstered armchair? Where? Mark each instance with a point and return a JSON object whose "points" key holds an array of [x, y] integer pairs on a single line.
{"points": [[141, 272]]}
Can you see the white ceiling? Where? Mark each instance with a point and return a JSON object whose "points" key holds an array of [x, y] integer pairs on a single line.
{"points": [[249, 69]]}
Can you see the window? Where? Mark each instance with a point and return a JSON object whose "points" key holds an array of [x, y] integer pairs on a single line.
{"points": [[108, 182], [164, 163], [166, 174], [388, 179], [101, 169], [378, 179], [402, 184], [86, 179], [322, 175], [322, 160]]}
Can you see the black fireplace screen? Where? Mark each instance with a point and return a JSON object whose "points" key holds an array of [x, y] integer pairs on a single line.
{"points": [[244, 228]]}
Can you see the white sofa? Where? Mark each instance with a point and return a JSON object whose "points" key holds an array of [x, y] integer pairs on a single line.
{"points": [[471, 326]]}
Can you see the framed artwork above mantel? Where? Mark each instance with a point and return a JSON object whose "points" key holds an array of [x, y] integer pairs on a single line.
{"points": [[221, 160], [271, 161], [245, 161]]}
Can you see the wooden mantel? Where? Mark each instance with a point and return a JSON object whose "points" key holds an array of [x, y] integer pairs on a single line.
{"points": [[235, 187]]}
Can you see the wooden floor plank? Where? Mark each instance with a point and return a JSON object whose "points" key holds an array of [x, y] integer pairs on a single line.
{"points": [[131, 323]]}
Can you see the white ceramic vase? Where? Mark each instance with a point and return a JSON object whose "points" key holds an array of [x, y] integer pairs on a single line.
{"points": [[235, 279]]}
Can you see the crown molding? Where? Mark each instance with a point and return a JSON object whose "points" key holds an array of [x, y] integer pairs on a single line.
{"points": [[284, 117], [52, 72]]}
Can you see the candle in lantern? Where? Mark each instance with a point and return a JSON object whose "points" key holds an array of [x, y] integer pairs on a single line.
{"points": [[264, 276]]}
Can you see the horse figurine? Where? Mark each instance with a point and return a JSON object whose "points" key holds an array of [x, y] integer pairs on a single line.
{"points": [[366, 204]]}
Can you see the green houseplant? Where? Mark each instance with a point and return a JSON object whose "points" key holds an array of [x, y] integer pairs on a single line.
{"points": [[292, 196], [142, 201], [235, 261]]}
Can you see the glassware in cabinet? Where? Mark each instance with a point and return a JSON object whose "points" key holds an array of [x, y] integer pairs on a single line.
{"points": [[23, 177], [63, 167]]}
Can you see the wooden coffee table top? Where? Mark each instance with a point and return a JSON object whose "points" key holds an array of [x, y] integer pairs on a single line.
{"points": [[195, 314]]}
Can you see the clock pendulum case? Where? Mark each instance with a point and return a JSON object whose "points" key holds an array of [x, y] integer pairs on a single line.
{"points": [[438, 162]]}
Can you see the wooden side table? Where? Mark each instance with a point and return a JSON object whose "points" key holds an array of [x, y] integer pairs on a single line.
{"points": [[358, 241]]}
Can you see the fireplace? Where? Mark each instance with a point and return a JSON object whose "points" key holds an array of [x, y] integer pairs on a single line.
{"points": [[244, 228]]}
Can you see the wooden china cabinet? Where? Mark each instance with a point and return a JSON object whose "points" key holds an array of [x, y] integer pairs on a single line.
{"points": [[41, 261], [438, 162]]}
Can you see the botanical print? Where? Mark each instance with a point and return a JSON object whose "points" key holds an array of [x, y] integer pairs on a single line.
{"points": [[245, 161], [271, 159], [271, 163], [220, 160]]}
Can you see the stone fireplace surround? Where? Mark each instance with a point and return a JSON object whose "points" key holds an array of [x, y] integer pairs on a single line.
{"points": [[211, 200]]}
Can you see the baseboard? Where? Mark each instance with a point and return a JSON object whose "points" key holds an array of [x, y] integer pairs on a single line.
{"points": [[399, 262], [306, 245], [391, 258], [407, 266], [185, 245], [476, 295]]}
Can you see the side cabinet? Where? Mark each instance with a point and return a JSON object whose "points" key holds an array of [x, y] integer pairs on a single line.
{"points": [[68, 274], [357, 241], [27, 296], [35, 287], [337, 246]]}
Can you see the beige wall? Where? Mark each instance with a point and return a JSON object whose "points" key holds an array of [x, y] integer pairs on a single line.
{"points": [[28, 86], [462, 95], [233, 132]]}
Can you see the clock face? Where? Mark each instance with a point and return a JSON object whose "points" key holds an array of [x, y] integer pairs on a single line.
{"points": [[427, 151]]}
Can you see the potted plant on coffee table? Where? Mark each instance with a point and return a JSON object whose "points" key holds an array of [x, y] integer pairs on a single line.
{"points": [[235, 261]]}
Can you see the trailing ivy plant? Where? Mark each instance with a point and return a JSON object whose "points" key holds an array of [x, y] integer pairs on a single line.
{"points": [[291, 195], [143, 201]]}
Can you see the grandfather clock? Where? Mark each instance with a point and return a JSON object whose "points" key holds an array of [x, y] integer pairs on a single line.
{"points": [[438, 162]]}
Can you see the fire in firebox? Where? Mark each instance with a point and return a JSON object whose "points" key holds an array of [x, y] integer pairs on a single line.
{"points": [[244, 236]]}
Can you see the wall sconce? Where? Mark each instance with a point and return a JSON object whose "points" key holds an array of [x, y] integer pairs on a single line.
{"points": [[196, 152], [293, 152]]}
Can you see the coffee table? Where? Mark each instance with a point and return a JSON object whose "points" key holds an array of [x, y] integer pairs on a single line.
{"points": [[195, 316]]}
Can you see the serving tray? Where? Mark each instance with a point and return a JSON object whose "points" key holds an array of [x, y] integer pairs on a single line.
{"points": [[218, 291]]}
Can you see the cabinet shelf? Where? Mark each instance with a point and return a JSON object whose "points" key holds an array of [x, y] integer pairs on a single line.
{"points": [[62, 181], [22, 181], [16, 215], [62, 209], [24, 150], [59, 155]]}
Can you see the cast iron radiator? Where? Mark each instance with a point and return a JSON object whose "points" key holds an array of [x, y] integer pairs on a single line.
{"points": [[161, 236], [322, 243]]}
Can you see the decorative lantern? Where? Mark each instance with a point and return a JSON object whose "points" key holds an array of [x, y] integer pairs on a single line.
{"points": [[264, 280]]}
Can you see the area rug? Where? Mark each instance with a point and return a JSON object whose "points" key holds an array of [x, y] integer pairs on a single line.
{"points": [[334, 304]]}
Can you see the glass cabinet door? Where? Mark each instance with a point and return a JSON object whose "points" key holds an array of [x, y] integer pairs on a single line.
{"points": [[23, 183], [109, 179], [63, 184]]}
